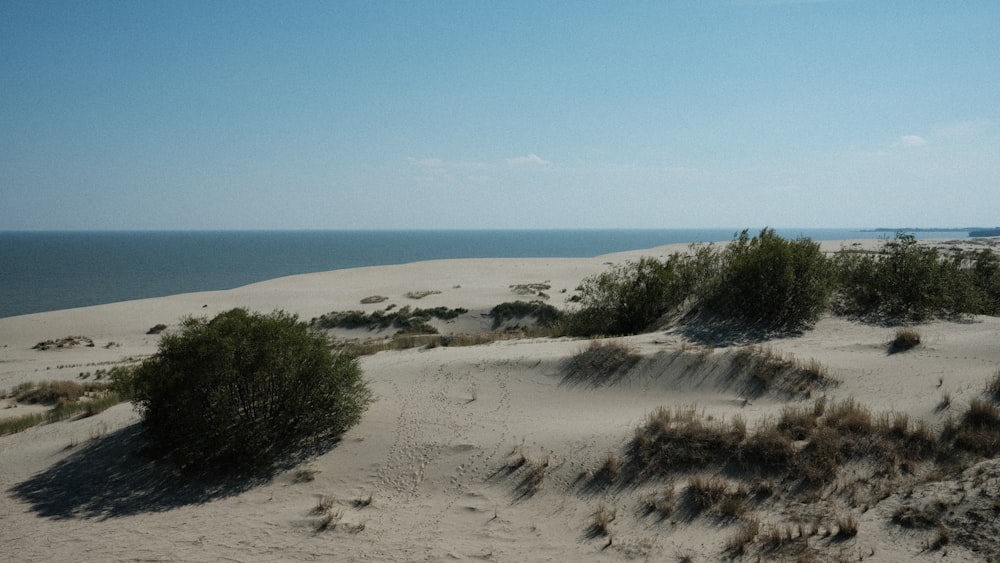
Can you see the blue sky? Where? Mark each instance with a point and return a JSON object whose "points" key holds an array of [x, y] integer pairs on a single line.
{"points": [[469, 114]]}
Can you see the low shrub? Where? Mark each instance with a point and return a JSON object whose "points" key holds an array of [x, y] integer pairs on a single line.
{"points": [[244, 389], [545, 315]]}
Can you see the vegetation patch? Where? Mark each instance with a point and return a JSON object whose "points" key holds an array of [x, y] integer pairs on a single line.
{"points": [[770, 371], [68, 399], [420, 294], [545, 315], [245, 389], [65, 342], [904, 280], [603, 361], [405, 319]]}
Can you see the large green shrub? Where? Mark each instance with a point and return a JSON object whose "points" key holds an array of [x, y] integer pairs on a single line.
{"points": [[908, 281], [770, 281], [243, 389], [630, 297]]}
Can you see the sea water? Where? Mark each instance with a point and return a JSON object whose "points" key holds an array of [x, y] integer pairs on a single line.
{"points": [[47, 271]]}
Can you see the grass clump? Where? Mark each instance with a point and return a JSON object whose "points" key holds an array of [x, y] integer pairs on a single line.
{"points": [[905, 339], [603, 359], [670, 441], [51, 392], [993, 386], [741, 540], [978, 432], [245, 389], [603, 516], [771, 371], [69, 400]]}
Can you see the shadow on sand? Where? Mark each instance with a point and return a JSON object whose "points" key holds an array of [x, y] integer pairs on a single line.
{"points": [[108, 478]]}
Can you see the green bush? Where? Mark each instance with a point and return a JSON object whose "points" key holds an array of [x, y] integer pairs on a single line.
{"points": [[907, 281], [771, 282], [544, 314], [243, 389], [631, 297]]}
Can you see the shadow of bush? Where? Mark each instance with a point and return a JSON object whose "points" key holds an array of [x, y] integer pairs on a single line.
{"points": [[109, 477]]}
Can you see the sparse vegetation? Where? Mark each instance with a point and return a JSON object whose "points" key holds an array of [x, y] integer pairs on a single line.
{"points": [[405, 320], [244, 389], [747, 533], [603, 360], [771, 371], [602, 518]]}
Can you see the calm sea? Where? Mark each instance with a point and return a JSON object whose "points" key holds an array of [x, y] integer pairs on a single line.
{"points": [[47, 271]]}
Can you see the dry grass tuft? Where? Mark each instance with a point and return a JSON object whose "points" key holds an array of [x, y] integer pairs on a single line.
{"points": [[611, 469], [663, 503], [847, 527], [993, 386], [706, 492], [771, 371], [602, 518], [905, 339], [740, 542], [603, 360]]}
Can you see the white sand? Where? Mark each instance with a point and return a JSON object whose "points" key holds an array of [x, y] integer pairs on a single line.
{"points": [[433, 450]]}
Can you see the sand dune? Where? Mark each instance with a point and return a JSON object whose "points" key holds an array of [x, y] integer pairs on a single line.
{"points": [[485, 453]]}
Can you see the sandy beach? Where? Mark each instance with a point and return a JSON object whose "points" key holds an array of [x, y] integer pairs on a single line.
{"points": [[489, 452]]}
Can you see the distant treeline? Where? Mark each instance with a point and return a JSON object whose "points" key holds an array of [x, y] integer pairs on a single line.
{"points": [[995, 232]]}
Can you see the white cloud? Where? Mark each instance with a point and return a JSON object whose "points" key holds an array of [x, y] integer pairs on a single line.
{"points": [[912, 141], [528, 160]]}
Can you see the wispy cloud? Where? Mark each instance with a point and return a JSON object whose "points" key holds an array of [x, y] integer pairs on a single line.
{"points": [[528, 160], [912, 141]]}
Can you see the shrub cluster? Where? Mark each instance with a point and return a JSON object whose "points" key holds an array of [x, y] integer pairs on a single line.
{"points": [[765, 280], [771, 283], [244, 388], [545, 315], [904, 280]]}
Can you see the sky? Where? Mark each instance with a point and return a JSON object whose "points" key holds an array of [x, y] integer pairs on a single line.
{"points": [[502, 115]]}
